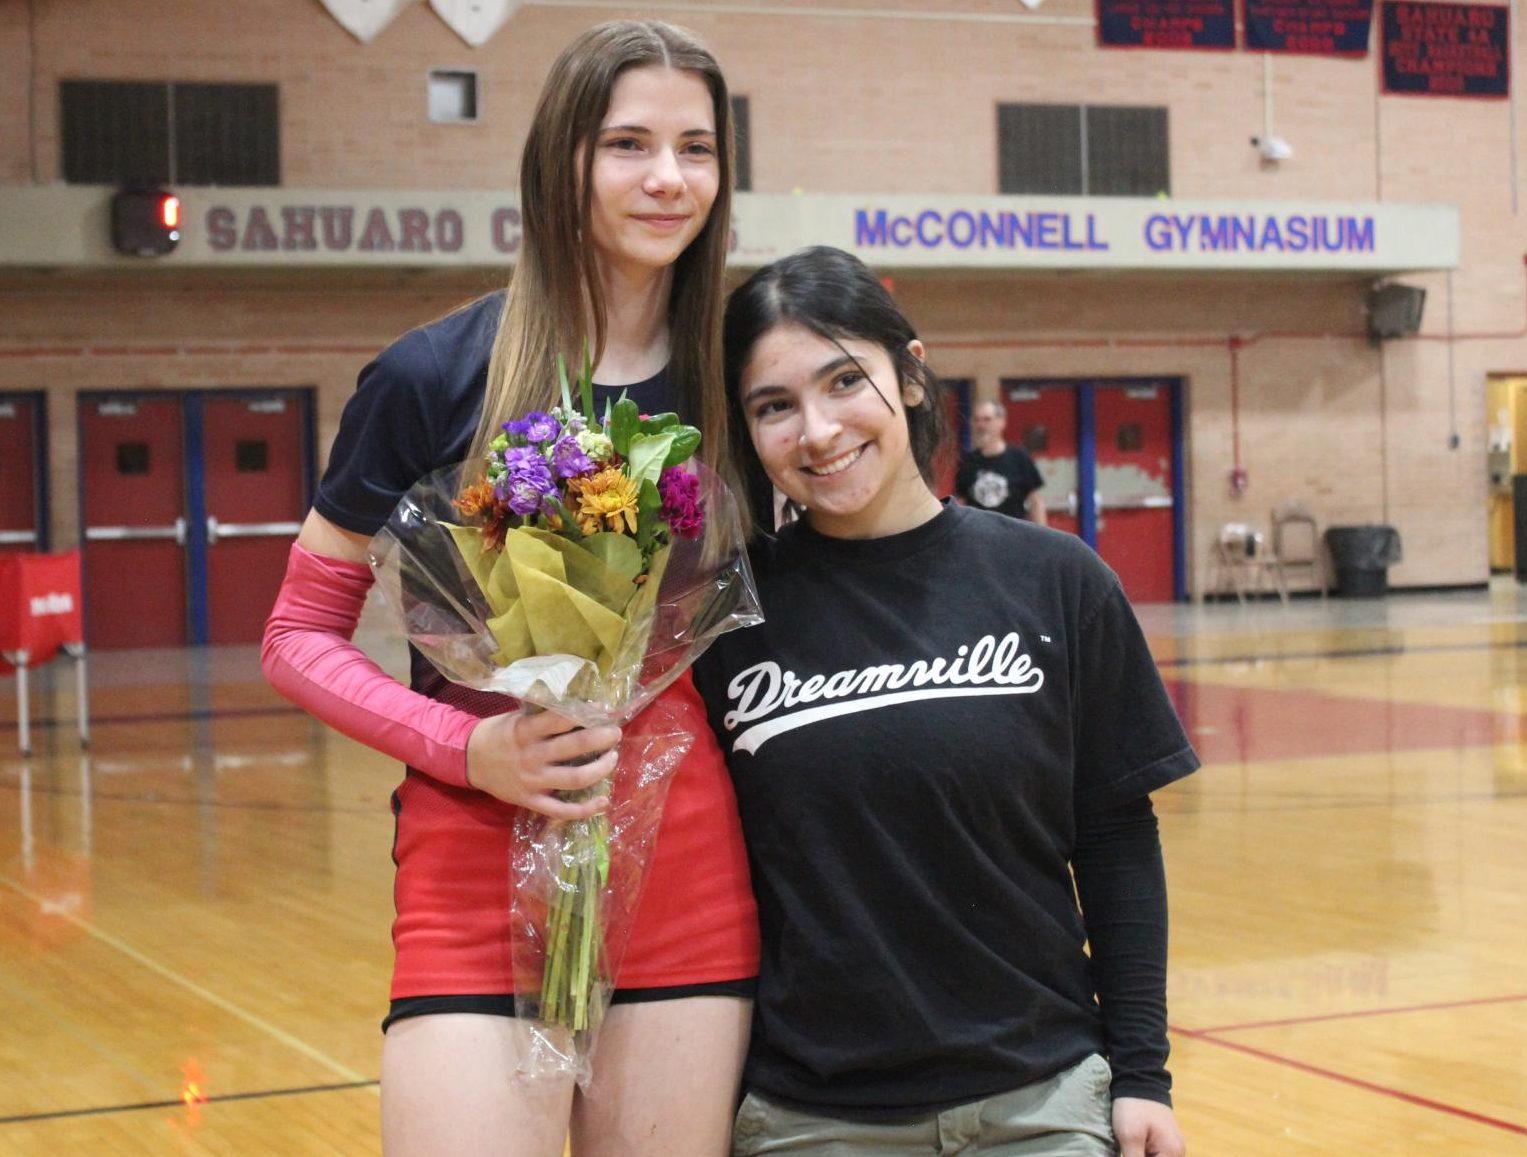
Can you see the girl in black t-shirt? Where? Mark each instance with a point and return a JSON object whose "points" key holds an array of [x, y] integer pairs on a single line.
{"points": [[625, 182], [945, 714]]}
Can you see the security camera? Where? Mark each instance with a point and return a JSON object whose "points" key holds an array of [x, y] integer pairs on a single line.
{"points": [[1273, 149]]}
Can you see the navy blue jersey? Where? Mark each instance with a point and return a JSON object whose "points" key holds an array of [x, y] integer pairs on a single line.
{"points": [[416, 408]]}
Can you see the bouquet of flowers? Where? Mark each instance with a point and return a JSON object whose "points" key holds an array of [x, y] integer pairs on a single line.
{"points": [[582, 567]]}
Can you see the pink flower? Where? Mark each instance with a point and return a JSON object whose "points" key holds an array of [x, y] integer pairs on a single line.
{"points": [[682, 509]]}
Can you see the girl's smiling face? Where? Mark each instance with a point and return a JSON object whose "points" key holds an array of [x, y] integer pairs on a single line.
{"points": [[828, 420], [656, 168]]}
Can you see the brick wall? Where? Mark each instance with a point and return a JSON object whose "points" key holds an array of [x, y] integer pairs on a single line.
{"points": [[881, 100]]}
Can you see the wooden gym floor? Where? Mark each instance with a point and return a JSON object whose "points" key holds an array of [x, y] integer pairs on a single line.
{"points": [[194, 914]]}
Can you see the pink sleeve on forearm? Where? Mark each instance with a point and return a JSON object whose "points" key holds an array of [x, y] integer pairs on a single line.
{"points": [[308, 656]]}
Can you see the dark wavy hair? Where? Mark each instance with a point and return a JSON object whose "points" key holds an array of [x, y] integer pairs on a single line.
{"points": [[835, 295]]}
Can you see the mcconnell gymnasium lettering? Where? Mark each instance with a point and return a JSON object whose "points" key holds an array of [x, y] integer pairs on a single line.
{"points": [[1256, 233], [930, 229], [351, 229]]}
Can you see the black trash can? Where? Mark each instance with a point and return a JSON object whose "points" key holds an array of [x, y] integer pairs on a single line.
{"points": [[1361, 557]]}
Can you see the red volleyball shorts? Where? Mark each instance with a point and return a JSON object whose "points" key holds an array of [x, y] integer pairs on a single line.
{"points": [[696, 922]]}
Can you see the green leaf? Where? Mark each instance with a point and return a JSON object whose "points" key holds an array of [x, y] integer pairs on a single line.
{"points": [[686, 440], [657, 423], [625, 422], [649, 499], [567, 399], [648, 453], [586, 385], [569, 523], [619, 552]]}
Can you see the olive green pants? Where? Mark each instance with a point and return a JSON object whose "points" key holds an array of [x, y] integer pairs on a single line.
{"points": [[1069, 1115]]}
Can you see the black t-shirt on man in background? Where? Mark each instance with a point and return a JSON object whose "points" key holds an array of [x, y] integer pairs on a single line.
{"points": [[1002, 483]]}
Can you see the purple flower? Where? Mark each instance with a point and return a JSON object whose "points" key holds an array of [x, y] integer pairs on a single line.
{"points": [[527, 480], [535, 428], [682, 508], [540, 428], [569, 459]]}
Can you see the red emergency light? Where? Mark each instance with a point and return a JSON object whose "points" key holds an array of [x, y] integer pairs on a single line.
{"points": [[145, 222]]}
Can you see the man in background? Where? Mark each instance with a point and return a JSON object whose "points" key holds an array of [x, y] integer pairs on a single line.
{"points": [[995, 475]]}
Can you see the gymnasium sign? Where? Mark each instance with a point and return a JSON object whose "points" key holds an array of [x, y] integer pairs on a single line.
{"points": [[60, 227]]}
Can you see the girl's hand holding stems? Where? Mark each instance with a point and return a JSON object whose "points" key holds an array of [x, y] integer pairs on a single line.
{"points": [[526, 759]]}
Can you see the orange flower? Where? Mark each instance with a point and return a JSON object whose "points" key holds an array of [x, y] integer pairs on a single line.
{"points": [[475, 499], [604, 501]]}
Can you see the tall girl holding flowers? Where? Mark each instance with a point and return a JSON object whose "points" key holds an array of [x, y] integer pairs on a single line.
{"points": [[625, 195], [945, 715]]}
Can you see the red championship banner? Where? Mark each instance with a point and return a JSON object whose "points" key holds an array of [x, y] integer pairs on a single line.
{"points": [[39, 607], [1166, 23], [1446, 49], [1311, 27]]}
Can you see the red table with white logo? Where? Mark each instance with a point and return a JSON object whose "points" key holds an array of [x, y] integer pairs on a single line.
{"points": [[40, 617]]}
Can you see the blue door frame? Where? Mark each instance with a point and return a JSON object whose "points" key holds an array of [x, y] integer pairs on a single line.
{"points": [[42, 510], [1086, 462], [194, 498]]}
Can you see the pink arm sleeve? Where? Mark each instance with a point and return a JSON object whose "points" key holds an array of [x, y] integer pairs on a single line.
{"points": [[308, 656]]}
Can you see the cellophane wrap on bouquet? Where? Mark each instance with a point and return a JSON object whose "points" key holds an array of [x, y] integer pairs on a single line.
{"points": [[585, 572]]}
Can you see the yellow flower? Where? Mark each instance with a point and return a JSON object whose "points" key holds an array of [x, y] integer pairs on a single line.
{"points": [[608, 496]]}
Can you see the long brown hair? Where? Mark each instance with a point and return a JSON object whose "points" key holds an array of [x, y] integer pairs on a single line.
{"points": [[555, 286]]}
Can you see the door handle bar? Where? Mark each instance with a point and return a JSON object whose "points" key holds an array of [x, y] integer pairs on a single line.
{"points": [[177, 532], [219, 530], [1137, 502]]}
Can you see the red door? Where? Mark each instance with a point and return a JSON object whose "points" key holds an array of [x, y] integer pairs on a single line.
{"points": [[18, 472], [132, 484], [1132, 423], [1041, 418], [255, 497]]}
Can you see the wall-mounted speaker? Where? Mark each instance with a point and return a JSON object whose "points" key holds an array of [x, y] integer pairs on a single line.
{"points": [[1394, 311]]}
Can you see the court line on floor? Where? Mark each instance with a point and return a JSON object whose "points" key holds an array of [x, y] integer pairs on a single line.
{"points": [[1342, 653], [1208, 805], [47, 723], [185, 982], [159, 799], [1356, 1082], [140, 1106], [1365, 1012]]}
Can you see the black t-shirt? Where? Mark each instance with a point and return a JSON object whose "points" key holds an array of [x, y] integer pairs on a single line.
{"points": [[914, 733], [416, 408], [1002, 483]]}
